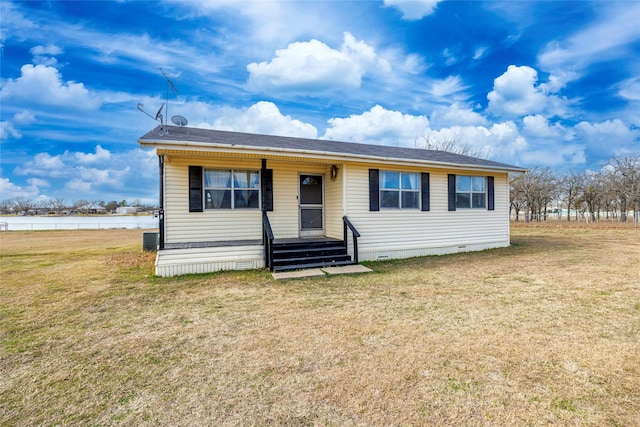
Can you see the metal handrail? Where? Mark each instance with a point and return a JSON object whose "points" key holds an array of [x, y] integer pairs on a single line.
{"points": [[267, 235], [354, 233]]}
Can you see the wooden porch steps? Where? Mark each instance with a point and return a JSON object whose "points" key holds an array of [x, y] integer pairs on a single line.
{"points": [[309, 253]]}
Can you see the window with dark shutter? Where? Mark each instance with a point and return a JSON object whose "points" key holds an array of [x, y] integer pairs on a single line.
{"points": [[452, 192], [195, 188], [374, 190], [491, 202], [425, 191]]}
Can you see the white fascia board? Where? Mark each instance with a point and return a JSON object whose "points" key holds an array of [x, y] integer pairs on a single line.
{"points": [[313, 154]]}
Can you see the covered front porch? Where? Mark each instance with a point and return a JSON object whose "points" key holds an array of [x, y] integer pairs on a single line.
{"points": [[298, 222], [275, 254]]}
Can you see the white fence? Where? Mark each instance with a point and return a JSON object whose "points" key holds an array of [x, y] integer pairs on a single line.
{"points": [[20, 223]]}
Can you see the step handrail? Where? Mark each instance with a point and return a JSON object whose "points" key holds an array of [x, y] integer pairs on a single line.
{"points": [[267, 236], [354, 234]]}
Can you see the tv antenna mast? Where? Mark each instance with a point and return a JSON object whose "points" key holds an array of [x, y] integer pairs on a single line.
{"points": [[177, 119], [171, 86]]}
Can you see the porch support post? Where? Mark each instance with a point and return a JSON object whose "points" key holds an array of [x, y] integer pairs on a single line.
{"points": [[161, 203]]}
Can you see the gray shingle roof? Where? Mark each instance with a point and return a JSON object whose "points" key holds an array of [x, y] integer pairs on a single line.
{"points": [[177, 135]]}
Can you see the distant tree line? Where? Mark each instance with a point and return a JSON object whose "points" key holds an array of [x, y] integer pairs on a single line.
{"points": [[58, 206], [610, 194]]}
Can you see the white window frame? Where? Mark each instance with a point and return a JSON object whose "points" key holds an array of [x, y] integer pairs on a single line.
{"points": [[400, 190], [232, 188], [471, 192]]}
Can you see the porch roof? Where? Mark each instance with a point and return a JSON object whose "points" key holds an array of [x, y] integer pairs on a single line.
{"points": [[187, 138]]}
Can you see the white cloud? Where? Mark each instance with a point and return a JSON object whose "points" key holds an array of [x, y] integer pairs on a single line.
{"points": [[78, 186], [516, 93], [14, 22], [501, 140], [413, 10], [455, 115], [611, 36], [314, 66], [45, 55], [38, 182], [559, 155], [110, 175], [100, 155], [7, 130], [611, 137], [479, 52], [9, 190], [263, 118], [378, 126], [43, 85], [450, 57], [24, 117], [558, 81], [538, 127], [44, 165], [630, 89], [447, 88]]}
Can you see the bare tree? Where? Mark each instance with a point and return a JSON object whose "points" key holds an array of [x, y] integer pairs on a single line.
{"points": [[570, 188], [626, 183], [593, 193], [23, 204], [451, 144], [57, 205], [536, 189], [517, 196]]}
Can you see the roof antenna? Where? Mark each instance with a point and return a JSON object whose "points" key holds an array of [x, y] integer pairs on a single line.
{"points": [[177, 119], [174, 89]]}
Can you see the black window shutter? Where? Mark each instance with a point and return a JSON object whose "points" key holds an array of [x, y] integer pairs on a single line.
{"points": [[374, 190], [491, 198], [267, 189], [452, 192], [425, 191], [195, 189]]}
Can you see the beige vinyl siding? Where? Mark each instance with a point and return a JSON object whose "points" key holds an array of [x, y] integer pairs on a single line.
{"points": [[395, 233], [285, 216], [333, 202], [211, 225], [244, 224], [175, 262]]}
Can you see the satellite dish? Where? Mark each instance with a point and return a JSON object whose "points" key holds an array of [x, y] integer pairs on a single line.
{"points": [[179, 120]]}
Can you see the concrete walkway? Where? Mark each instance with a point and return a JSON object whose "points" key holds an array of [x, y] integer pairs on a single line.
{"points": [[317, 272]]}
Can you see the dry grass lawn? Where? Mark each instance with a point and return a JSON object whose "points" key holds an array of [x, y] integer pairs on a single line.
{"points": [[546, 332]]}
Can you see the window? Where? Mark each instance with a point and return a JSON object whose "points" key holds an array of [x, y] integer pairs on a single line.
{"points": [[471, 192], [399, 190], [231, 189]]}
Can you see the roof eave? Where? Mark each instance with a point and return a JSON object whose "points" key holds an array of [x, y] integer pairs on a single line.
{"points": [[212, 146]]}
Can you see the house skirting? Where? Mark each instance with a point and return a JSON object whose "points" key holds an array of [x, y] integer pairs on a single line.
{"points": [[381, 255], [175, 262]]}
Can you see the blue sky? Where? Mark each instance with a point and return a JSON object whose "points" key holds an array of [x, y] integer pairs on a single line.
{"points": [[547, 83]]}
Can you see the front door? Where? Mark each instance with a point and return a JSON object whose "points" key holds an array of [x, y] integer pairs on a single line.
{"points": [[311, 201]]}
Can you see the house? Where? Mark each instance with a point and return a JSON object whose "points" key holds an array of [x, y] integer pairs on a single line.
{"points": [[126, 210], [231, 201], [91, 209]]}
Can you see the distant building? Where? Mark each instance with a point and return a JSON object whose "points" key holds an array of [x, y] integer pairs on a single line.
{"points": [[91, 209], [126, 210]]}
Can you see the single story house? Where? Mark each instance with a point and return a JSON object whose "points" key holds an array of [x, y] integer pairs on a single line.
{"points": [[232, 201], [126, 210]]}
